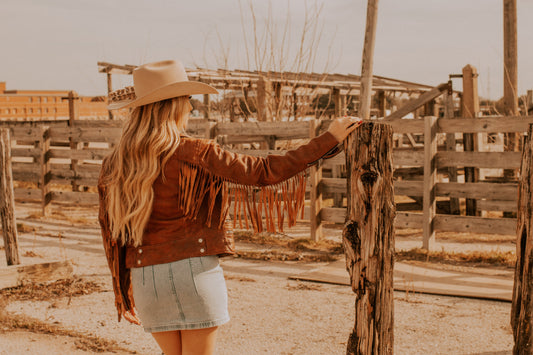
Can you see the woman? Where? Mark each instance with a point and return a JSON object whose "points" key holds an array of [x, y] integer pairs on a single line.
{"points": [[164, 197]]}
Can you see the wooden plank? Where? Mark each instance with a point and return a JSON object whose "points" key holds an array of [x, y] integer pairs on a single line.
{"points": [[367, 62], [485, 124], [87, 134], [64, 173], [74, 197], [98, 123], [315, 195], [408, 220], [408, 158], [479, 190], [28, 194], [17, 275], [430, 180], [26, 133], [497, 205], [282, 130], [80, 181], [32, 176], [26, 152], [408, 188], [7, 200], [471, 224], [333, 214], [404, 126], [416, 103], [85, 154], [496, 160], [332, 185]]}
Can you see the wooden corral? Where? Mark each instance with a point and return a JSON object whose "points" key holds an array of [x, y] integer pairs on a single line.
{"points": [[42, 165], [279, 96]]}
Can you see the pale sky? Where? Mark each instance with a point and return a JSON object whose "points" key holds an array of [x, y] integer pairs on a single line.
{"points": [[55, 44]]}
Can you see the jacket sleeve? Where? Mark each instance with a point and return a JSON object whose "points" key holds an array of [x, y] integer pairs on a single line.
{"points": [[258, 171], [115, 255]]}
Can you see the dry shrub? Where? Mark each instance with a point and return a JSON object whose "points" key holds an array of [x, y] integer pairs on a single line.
{"points": [[24, 228], [298, 244], [494, 257], [31, 254], [60, 288]]}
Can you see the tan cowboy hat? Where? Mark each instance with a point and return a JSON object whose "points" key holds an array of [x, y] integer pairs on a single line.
{"points": [[157, 81]]}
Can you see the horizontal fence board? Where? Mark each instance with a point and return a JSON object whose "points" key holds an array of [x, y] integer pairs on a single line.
{"points": [[79, 180], [97, 123], [333, 214], [282, 130], [332, 185], [27, 176], [33, 167], [408, 188], [81, 154], [26, 133], [485, 124], [496, 205], [479, 190], [77, 198], [407, 158], [464, 224], [496, 160], [408, 220], [28, 194], [86, 134], [406, 125], [26, 152]]}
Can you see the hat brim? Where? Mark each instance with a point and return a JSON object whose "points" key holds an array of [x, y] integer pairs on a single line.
{"points": [[182, 88]]}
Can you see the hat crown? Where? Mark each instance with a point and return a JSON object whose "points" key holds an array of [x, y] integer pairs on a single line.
{"points": [[152, 76]]}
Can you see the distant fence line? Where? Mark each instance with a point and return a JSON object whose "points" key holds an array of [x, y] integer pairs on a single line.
{"points": [[49, 155]]}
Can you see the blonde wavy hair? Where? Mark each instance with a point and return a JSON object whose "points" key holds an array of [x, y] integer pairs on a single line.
{"points": [[149, 138]]}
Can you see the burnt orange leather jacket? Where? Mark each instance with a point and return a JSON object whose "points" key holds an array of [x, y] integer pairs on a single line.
{"points": [[192, 199]]}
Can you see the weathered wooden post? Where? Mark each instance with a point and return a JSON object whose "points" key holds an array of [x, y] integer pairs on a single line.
{"points": [[368, 237], [315, 195], [522, 309], [367, 63], [73, 116], [470, 107], [7, 200]]}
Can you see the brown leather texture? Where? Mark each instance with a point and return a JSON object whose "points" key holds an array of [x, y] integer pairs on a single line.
{"points": [[191, 200]]}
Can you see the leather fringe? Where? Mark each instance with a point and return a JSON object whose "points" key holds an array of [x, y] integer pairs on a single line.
{"points": [[261, 207]]}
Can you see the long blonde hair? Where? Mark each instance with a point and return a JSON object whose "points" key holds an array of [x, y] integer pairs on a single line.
{"points": [[149, 138]]}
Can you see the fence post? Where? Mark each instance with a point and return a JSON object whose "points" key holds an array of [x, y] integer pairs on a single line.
{"points": [[45, 170], [430, 181], [522, 308], [470, 108], [73, 116], [451, 146], [7, 200], [368, 237], [315, 196]]}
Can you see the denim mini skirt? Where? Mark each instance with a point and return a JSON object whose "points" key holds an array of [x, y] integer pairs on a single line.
{"points": [[185, 294]]}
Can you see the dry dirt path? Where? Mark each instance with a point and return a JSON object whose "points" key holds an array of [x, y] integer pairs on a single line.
{"points": [[270, 313]]}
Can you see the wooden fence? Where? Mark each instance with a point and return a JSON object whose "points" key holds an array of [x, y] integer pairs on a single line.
{"points": [[55, 162]]}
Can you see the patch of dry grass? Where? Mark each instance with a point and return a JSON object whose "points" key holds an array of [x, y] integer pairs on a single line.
{"points": [[298, 244], [60, 288], [86, 342], [24, 228], [475, 258]]}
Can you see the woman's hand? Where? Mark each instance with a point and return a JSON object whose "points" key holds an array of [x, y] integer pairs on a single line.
{"points": [[340, 128]]}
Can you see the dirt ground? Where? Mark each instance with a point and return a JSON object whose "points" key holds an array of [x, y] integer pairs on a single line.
{"points": [[271, 314]]}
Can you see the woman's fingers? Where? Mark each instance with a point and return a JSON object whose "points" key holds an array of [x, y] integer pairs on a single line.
{"points": [[340, 128]]}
